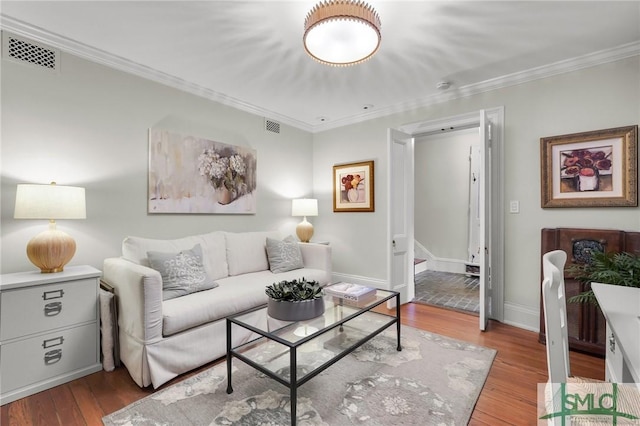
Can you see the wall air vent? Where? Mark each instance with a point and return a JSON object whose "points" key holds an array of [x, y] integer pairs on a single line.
{"points": [[29, 53], [271, 126]]}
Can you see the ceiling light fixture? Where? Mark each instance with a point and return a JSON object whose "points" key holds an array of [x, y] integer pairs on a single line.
{"points": [[342, 32]]}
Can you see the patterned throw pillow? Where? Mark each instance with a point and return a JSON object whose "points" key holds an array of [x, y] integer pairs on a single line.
{"points": [[283, 255], [182, 273]]}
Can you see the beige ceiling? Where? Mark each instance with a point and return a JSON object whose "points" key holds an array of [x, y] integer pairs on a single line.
{"points": [[249, 54]]}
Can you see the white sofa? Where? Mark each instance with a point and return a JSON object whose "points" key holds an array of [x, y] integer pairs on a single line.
{"points": [[160, 339]]}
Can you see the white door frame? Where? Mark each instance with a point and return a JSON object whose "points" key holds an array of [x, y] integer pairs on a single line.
{"points": [[496, 117]]}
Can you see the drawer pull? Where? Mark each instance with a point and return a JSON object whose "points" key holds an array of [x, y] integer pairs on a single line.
{"points": [[49, 343], [52, 357], [53, 294], [52, 309]]}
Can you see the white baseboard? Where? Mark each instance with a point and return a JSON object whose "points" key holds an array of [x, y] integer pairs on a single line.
{"points": [[453, 266], [439, 264], [522, 316]]}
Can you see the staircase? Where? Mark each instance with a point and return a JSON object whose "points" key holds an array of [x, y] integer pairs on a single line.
{"points": [[419, 265]]}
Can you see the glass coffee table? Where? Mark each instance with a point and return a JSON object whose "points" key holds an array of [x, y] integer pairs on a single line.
{"points": [[292, 353]]}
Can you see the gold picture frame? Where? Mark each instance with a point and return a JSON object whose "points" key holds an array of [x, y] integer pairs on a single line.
{"points": [[353, 187], [590, 169]]}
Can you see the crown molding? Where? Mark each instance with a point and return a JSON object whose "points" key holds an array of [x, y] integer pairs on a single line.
{"points": [[84, 51], [92, 54], [568, 65]]}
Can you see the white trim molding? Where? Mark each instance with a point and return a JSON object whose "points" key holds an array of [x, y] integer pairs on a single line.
{"points": [[102, 57], [84, 51], [522, 316], [440, 264], [568, 65]]}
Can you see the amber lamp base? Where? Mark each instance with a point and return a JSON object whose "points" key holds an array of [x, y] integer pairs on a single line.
{"points": [[51, 250]]}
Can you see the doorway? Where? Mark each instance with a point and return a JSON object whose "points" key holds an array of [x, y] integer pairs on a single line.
{"points": [[447, 219], [401, 211]]}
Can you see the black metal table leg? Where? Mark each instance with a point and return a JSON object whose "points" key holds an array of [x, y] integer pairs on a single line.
{"points": [[398, 320], [229, 387], [293, 381]]}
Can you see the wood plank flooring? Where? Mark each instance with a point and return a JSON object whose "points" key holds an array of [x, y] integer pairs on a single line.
{"points": [[508, 397]]}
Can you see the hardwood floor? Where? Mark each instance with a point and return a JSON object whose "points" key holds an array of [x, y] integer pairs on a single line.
{"points": [[508, 397]]}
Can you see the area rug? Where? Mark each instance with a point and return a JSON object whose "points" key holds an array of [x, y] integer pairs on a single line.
{"points": [[434, 380]]}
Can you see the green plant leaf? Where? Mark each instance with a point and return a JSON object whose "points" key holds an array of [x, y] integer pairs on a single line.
{"points": [[608, 268], [294, 290]]}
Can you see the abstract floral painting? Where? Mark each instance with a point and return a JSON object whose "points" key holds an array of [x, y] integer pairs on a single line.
{"points": [[189, 174]]}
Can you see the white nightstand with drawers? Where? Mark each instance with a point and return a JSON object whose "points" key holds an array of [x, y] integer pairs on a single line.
{"points": [[49, 329]]}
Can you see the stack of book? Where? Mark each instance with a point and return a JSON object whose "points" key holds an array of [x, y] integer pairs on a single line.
{"points": [[355, 293]]}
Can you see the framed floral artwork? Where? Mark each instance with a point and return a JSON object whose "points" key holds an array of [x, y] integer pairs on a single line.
{"points": [[590, 169], [353, 187], [188, 174]]}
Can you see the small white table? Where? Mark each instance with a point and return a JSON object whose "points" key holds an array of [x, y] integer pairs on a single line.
{"points": [[621, 308], [49, 329]]}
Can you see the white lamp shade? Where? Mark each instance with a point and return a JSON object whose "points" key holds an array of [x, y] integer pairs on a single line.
{"points": [[50, 202], [304, 207]]}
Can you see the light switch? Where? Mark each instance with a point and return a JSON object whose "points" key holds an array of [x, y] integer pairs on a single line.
{"points": [[514, 206]]}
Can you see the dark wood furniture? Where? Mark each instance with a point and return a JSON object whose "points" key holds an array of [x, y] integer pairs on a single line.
{"points": [[586, 322]]}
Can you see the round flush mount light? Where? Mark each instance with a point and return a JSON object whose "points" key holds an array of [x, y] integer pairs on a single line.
{"points": [[342, 32]]}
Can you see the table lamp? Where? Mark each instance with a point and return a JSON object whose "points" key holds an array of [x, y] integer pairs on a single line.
{"points": [[304, 207], [52, 249]]}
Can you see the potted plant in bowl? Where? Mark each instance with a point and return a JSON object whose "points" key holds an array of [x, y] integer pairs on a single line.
{"points": [[295, 300]]}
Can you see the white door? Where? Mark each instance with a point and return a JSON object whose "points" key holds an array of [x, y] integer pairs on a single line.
{"points": [[485, 220], [400, 210]]}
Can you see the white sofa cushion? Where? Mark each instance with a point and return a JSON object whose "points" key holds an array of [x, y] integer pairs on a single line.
{"points": [[213, 246], [246, 251], [232, 296]]}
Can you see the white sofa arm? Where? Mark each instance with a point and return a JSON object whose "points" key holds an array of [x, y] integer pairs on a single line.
{"points": [[317, 256], [139, 294]]}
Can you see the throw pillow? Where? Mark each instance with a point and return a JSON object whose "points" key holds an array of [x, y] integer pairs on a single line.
{"points": [[283, 256], [182, 273]]}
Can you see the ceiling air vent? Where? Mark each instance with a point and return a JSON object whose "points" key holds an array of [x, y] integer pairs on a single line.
{"points": [[27, 52], [271, 126]]}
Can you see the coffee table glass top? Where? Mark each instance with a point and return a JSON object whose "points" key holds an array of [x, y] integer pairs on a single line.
{"points": [[316, 341]]}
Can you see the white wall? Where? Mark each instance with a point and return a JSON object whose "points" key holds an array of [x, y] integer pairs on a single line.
{"points": [[88, 126], [599, 97], [442, 185]]}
